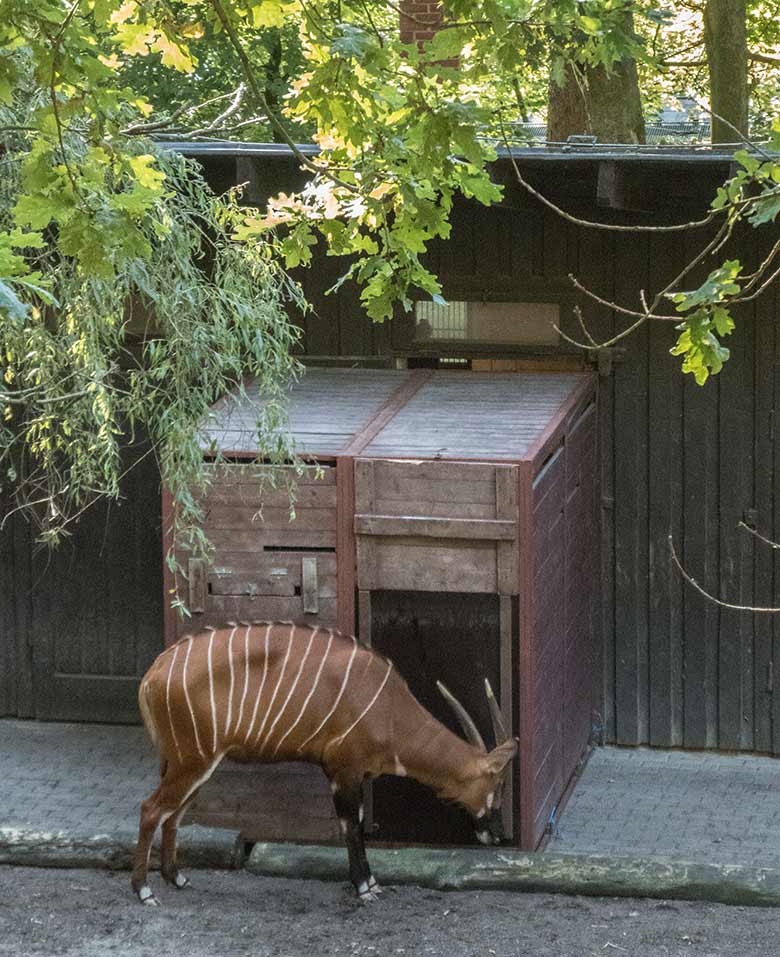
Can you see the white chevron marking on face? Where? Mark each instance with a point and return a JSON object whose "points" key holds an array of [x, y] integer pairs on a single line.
{"points": [[187, 697], [293, 686], [262, 685], [278, 685], [232, 681], [338, 697], [337, 741], [168, 701], [246, 678], [211, 694], [311, 692]]}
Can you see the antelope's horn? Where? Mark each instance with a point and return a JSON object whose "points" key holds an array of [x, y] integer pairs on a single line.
{"points": [[499, 730], [469, 728]]}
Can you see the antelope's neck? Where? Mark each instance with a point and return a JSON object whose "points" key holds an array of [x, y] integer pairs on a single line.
{"points": [[426, 750]]}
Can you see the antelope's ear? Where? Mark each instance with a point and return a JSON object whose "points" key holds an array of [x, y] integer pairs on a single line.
{"points": [[500, 757]]}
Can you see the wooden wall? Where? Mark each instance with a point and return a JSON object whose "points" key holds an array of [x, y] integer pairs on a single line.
{"points": [[80, 625], [677, 671]]}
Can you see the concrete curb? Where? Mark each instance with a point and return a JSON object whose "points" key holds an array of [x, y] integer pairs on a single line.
{"points": [[198, 847], [591, 875]]}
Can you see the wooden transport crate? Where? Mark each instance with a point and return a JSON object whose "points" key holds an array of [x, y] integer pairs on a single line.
{"points": [[450, 521]]}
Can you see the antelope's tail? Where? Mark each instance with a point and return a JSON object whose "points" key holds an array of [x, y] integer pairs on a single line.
{"points": [[144, 707]]}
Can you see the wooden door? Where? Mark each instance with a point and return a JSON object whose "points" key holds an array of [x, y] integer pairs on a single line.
{"points": [[95, 608]]}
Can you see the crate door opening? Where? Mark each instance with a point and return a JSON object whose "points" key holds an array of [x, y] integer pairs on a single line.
{"points": [[447, 637]]}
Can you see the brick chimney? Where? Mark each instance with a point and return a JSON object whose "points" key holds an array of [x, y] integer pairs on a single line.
{"points": [[419, 20]]}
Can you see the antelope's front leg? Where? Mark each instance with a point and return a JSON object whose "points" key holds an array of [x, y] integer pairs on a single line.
{"points": [[348, 799]]}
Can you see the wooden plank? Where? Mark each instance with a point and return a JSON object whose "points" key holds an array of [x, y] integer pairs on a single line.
{"points": [[254, 496], [269, 519], [765, 320], [700, 556], [310, 587], [735, 578], [345, 545], [505, 613], [223, 608], [465, 528], [507, 509], [418, 564], [271, 539], [631, 549], [269, 802], [405, 391], [232, 474], [526, 695], [596, 268], [665, 480], [196, 580], [774, 299], [8, 595]]}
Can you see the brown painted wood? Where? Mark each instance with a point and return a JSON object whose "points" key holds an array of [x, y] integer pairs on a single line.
{"points": [[463, 528], [526, 689], [196, 581], [345, 545], [270, 802]]}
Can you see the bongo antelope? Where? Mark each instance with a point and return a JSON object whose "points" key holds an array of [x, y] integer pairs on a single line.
{"points": [[277, 691]]}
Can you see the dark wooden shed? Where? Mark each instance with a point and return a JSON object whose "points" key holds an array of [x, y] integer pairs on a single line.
{"points": [[450, 523]]}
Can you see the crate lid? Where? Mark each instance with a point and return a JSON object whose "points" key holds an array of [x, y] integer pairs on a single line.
{"points": [[407, 414], [327, 409], [476, 415]]}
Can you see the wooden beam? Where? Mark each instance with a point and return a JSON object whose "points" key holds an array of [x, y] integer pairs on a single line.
{"points": [[489, 529]]}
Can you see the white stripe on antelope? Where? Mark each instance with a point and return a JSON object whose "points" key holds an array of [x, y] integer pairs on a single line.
{"points": [[314, 695]]}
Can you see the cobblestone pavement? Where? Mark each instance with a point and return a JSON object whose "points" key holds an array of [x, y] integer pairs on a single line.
{"points": [[692, 806], [708, 808], [84, 777]]}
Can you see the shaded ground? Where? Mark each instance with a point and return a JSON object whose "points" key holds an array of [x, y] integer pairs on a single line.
{"points": [[83, 913]]}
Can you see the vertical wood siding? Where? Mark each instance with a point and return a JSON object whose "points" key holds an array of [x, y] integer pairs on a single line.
{"points": [[674, 458]]}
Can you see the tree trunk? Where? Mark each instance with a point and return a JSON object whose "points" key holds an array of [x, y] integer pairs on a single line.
{"points": [[725, 37], [605, 104]]}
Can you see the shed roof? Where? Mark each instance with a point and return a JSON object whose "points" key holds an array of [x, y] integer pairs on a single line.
{"points": [[401, 414]]}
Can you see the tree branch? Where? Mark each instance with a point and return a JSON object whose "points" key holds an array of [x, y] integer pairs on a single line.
{"points": [[761, 538], [259, 95], [712, 598]]}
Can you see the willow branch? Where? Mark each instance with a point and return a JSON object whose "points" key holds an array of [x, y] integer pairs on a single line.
{"points": [[717, 601]]}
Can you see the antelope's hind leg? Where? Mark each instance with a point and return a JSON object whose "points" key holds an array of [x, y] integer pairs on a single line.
{"points": [[176, 787], [348, 799], [168, 866]]}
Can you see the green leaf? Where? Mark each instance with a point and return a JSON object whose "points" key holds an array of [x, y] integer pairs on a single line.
{"points": [[11, 304]]}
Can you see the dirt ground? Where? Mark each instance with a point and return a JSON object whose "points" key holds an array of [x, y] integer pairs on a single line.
{"points": [[89, 913]]}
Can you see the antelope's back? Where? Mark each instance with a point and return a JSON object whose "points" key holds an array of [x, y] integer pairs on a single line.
{"points": [[268, 691]]}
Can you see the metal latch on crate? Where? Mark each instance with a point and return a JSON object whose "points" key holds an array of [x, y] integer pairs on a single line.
{"points": [[309, 586]]}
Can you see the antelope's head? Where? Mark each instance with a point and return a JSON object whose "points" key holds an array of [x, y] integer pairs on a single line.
{"points": [[482, 793]]}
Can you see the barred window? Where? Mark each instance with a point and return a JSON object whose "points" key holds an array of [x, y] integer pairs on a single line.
{"points": [[512, 323]]}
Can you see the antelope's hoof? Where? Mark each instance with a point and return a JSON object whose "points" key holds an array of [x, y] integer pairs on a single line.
{"points": [[145, 896], [367, 891], [178, 880], [374, 887]]}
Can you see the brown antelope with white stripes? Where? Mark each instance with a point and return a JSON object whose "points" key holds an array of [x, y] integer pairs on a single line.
{"points": [[284, 692]]}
